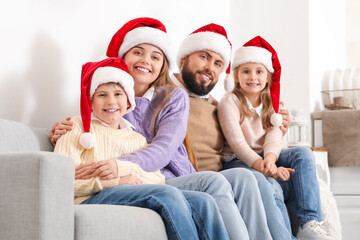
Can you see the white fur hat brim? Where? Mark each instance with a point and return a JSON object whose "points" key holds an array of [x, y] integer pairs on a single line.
{"points": [[205, 41], [253, 55], [112, 74], [148, 35]]}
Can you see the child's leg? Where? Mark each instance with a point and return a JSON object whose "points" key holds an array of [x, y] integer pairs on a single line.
{"points": [[167, 201], [206, 215], [304, 184], [272, 203]]}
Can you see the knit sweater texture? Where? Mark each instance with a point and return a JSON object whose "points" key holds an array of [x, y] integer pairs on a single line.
{"points": [[246, 136], [110, 144], [166, 150]]}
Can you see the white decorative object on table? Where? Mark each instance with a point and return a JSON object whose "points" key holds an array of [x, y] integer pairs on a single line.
{"points": [[298, 130]]}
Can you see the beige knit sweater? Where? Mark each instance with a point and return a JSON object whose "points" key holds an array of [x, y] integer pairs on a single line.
{"points": [[110, 144], [205, 133], [246, 136]]}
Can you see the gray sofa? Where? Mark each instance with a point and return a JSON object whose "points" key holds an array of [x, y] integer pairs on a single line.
{"points": [[37, 191]]}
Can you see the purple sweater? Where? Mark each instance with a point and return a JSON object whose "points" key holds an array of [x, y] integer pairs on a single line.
{"points": [[166, 150]]}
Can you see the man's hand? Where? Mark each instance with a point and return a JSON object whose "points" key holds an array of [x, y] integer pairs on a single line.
{"points": [[59, 129], [283, 173], [130, 180], [105, 170], [286, 119]]}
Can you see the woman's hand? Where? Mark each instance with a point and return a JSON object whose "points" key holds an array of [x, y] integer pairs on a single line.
{"points": [[59, 129], [105, 170], [130, 180], [283, 173], [286, 119]]}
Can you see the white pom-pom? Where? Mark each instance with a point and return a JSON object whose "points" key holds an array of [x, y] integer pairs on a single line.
{"points": [[87, 140], [276, 119], [229, 83]]}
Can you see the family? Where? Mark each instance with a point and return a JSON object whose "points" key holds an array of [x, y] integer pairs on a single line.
{"points": [[211, 171]]}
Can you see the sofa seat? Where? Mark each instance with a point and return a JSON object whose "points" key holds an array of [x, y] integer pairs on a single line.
{"points": [[345, 185]]}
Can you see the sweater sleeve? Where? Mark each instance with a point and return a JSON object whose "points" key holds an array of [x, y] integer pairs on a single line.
{"points": [[69, 145], [229, 118], [170, 129], [272, 143]]}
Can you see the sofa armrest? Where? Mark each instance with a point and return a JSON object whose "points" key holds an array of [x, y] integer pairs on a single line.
{"points": [[37, 196]]}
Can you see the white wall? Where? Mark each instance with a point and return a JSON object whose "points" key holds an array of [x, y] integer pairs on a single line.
{"points": [[44, 43]]}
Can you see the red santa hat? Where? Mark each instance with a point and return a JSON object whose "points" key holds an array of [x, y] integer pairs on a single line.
{"points": [[211, 37], [258, 50], [94, 74], [138, 31]]}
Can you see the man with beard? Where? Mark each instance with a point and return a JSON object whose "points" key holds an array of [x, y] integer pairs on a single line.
{"points": [[202, 57]]}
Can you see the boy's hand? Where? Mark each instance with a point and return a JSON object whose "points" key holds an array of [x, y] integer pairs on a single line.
{"points": [[59, 129], [283, 173], [105, 170], [130, 180]]}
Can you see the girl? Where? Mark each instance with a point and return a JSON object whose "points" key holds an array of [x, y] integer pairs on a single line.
{"points": [[100, 133], [251, 127], [161, 116]]}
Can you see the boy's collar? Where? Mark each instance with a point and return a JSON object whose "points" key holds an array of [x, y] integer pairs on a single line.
{"points": [[123, 122]]}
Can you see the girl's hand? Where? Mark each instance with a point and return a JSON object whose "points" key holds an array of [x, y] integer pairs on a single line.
{"points": [[283, 173], [59, 129], [129, 180], [105, 170], [269, 164], [259, 165]]}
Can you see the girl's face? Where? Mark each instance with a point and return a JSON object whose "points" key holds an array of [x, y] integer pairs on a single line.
{"points": [[144, 62], [252, 78], [109, 104]]}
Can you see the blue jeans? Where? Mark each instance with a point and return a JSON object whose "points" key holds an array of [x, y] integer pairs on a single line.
{"points": [[182, 212], [237, 196], [279, 228], [301, 192]]}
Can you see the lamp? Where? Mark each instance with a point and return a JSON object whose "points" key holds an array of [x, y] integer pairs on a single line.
{"points": [[298, 130]]}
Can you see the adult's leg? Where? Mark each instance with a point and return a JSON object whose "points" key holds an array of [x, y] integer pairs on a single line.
{"points": [[168, 201], [263, 195], [219, 188], [206, 215], [304, 185]]}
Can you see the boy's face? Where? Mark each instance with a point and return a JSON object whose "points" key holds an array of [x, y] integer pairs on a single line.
{"points": [[109, 104]]}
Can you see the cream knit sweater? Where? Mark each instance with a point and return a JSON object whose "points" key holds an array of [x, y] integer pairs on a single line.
{"points": [[110, 144], [246, 136]]}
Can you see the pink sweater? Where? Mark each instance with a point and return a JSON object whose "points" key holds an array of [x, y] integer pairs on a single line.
{"points": [[246, 136]]}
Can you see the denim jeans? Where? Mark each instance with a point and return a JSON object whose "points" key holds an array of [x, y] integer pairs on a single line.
{"points": [[237, 196], [301, 192], [182, 212], [279, 228]]}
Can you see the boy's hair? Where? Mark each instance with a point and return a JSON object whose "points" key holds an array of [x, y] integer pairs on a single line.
{"points": [[265, 98]]}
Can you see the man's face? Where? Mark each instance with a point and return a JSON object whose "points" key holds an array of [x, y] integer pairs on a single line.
{"points": [[200, 71]]}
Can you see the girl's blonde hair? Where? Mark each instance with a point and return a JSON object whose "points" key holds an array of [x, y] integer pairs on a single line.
{"points": [[265, 98], [164, 81]]}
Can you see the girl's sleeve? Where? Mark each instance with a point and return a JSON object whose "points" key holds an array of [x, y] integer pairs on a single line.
{"points": [[69, 146], [272, 143], [229, 119], [170, 134]]}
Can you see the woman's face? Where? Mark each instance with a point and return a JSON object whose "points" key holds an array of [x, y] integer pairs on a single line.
{"points": [[144, 62]]}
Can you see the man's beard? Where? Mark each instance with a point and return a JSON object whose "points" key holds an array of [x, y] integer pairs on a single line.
{"points": [[189, 79]]}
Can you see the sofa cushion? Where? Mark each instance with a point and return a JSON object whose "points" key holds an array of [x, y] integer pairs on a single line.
{"points": [[345, 180], [17, 137], [93, 222]]}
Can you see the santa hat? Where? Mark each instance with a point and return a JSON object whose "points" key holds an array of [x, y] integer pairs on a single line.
{"points": [[258, 50], [138, 31], [94, 74], [211, 37]]}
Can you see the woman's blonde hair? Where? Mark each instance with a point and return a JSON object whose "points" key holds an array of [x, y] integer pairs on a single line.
{"points": [[265, 98], [164, 81]]}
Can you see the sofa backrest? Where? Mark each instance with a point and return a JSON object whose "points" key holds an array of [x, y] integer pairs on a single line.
{"points": [[18, 137]]}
